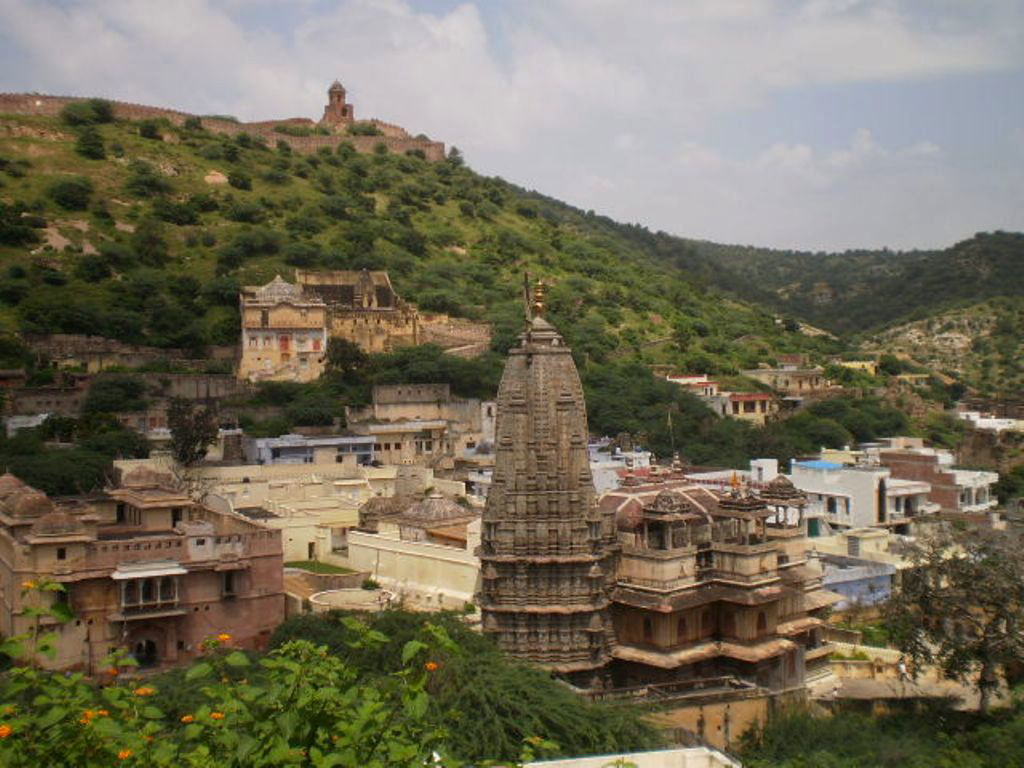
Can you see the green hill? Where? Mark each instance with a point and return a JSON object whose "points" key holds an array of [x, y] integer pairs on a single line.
{"points": [[860, 290], [115, 229]]}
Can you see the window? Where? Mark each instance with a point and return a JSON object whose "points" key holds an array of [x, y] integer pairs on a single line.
{"points": [[830, 505], [175, 516], [648, 630], [264, 318], [120, 513], [62, 553], [228, 586], [762, 623]]}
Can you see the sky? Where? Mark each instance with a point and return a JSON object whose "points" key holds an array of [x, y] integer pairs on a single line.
{"points": [[810, 124]]}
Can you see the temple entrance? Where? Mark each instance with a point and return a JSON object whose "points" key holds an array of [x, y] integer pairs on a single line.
{"points": [[145, 653]]}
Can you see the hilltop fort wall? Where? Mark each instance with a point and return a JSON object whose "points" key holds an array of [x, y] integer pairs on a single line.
{"points": [[395, 138]]}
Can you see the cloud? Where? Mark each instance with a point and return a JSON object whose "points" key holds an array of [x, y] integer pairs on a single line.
{"points": [[608, 104]]}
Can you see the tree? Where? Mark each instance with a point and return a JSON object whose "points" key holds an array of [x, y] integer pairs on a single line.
{"points": [[962, 607], [345, 356], [192, 431]]}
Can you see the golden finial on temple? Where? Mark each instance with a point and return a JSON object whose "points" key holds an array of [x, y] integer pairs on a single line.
{"points": [[538, 299]]}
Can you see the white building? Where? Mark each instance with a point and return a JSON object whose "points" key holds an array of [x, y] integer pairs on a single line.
{"points": [[843, 497]]}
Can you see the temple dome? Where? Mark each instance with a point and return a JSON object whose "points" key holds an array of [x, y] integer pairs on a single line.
{"points": [[671, 502], [9, 484], [781, 489], [28, 502], [436, 509]]}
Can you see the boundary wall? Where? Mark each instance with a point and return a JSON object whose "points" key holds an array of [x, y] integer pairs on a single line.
{"points": [[395, 138]]}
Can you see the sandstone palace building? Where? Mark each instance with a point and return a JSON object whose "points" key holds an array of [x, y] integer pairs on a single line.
{"points": [[286, 326], [144, 567], [284, 333], [658, 582]]}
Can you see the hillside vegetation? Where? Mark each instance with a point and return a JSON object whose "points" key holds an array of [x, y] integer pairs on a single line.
{"points": [[981, 343], [144, 232], [128, 230], [862, 290]]}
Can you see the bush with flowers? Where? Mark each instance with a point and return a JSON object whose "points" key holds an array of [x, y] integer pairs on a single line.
{"points": [[298, 705]]}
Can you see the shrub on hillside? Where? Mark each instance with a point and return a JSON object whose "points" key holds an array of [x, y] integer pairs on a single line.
{"points": [[71, 194], [150, 129], [144, 181], [88, 112], [239, 179], [90, 144]]}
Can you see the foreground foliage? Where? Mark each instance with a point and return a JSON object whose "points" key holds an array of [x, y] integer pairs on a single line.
{"points": [[496, 703], [298, 705]]}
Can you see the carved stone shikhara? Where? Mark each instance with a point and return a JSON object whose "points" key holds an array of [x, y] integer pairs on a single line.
{"points": [[547, 553]]}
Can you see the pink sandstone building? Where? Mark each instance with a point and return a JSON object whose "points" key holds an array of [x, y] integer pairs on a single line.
{"points": [[145, 569]]}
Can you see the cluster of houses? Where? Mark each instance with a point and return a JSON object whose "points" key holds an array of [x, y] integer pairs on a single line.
{"points": [[672, 577]]}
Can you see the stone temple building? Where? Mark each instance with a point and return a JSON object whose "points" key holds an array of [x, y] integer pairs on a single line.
{"points": [[658, 583], [547, 553]]}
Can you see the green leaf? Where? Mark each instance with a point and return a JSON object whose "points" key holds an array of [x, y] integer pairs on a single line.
{"points": [[237, 659], [152, 713], [61, 612], [54, 716], [200, 670], [411, 649]]}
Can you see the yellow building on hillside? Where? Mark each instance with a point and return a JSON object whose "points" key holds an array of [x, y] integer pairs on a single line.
{"points": [[284, 333]]}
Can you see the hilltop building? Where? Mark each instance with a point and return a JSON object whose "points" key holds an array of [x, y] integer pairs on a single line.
{"points": [[284, 333], [145, 568], [363, 308], [286, 326], [793, 382], [338, 111], [756, 407]]}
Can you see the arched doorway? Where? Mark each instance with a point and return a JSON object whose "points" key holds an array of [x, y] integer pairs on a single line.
{"points": [[145, 652]]}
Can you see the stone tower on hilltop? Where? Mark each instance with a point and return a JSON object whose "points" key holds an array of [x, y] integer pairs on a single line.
{"points": [[547, 554], [337, 111]]}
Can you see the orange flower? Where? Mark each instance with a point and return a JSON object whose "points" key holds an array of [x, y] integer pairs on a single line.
{"points": [[113, 671], [28, 585], [224, 637], [124, 754], [9, 710], [187, 719], [217, 715], [5, 731], [144, 691], [432, 666], [103, 713]]}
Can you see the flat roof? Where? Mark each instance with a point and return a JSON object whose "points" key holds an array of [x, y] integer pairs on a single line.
{"points": [[301, 441], [818, 464]]}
